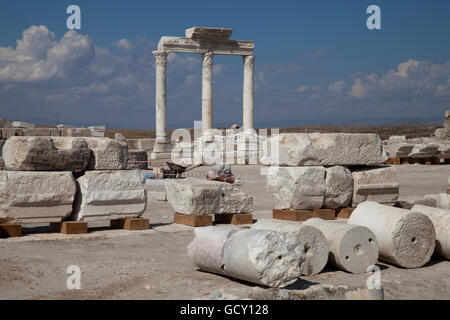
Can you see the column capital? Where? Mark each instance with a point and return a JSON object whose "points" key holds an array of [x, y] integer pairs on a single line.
{"points": [[249, 61], [207, 59], [161, 57]]}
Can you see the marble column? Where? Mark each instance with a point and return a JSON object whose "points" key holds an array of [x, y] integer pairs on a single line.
{"points": [[207, 87], [247, 110], [161, 142]]}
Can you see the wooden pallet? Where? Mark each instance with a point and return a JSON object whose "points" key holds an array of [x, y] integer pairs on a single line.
{"points": [[409, 160], [237, 219], [448, 191], [70, 227], [131, 224], [344, 213], [303, 215], [193, 221], [10, 230]]}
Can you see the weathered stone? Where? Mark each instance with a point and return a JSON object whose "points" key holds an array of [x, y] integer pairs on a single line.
{"points": [[11, 132], [424, 150], [439, 200], [207, 249], [442, 133], [42, 154], [109, 195], [119, 136], [146, 144], [406, 238], [328, 149], [36, 197], [132, 144], [199, 197], [447, 123], [441, 222], [107, 154], [75, 132], [365, 294], [264, 257], [447, 115], [352, 248], [137, 159], [296, 187], [5, 123], [339, 184], [378, 184], [208, 33], [397, 138], [311, 238], [398, 150]]}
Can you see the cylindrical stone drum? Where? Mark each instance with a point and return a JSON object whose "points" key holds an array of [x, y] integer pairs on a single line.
{"points": [[406, 238], [206, 250], [311, 238], [352, 248], [441, 222], [264, 257]]}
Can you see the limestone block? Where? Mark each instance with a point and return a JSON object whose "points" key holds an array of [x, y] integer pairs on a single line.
{"points": [[406, 238], [109, 195], [352, 248], [133, 144], [296, 187], [146, 144], [264, 257], [398, 150], [441, 223], [207, 249], [376, 184], [199, 197], [442, 133], [208, 33], [424, 150], [11, 132], [339, 184], [36, 196], [311, 238], [107, 154], [439, 200], [137, 159], [29, 132], [42, 154], [328, 149]]}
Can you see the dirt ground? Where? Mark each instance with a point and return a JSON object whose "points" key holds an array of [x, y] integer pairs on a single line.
{"points": [[153, 264]]}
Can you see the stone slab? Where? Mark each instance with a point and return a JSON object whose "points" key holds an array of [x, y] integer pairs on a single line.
{"points": [[208, 33]]}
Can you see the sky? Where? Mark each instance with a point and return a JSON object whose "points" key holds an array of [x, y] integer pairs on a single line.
{"points": [[316, 62]]}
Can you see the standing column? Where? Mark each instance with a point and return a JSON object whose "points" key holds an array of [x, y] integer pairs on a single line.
{"points": [[207, 87], [161, 142], [247, 121]]}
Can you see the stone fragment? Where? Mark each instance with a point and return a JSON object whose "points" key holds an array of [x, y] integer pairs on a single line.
{"points": [[207, 249], [107, 154], [406, 238], [339, 187], [441, 222], [42, 154], [424, 150], [208, 33], [296, 187], [439, 200], [442, 133], [352, 248], [137, 159], [146, 144], [327, 149], [311, 238], [399, 150], [109, 195], [36, 197], [376, 184], [264, 257], [199, 197], [11, 132]]}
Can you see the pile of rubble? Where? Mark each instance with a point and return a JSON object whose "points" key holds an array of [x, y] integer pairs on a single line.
{"points": [[50, 179], [329, 171]]}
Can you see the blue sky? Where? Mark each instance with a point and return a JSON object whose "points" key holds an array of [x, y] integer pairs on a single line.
{"points": [[316, 62]]}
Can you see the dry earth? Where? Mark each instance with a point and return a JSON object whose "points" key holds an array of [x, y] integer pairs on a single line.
{"points": [[153, 264]]}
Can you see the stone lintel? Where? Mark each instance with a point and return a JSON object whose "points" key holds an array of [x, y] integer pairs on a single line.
{"points": [[208, 33], [224, 47]]}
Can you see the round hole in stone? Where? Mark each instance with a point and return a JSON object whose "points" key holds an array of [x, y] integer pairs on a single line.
{"points": [[347, 257], [222, 195], [413, 240], [279, 257], [370, 240], [307, 247]]}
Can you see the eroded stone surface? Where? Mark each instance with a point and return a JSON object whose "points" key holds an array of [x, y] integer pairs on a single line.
{"points": [[198, 197], [406, 238], [311, 238], [36, 197], [109, 195], [376, 184], [264, 257], [328, 149], [339, 187], [43, 154]]}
